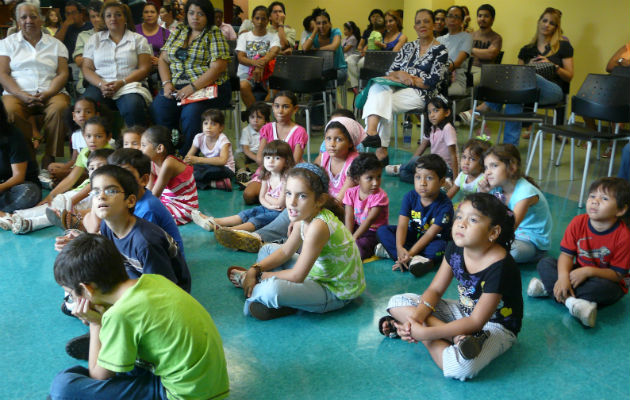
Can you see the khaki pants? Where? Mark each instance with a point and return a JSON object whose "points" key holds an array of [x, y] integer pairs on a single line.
{"points": [[53, 112]]}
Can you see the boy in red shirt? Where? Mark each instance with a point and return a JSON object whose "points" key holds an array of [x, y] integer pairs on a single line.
{"points": [[594, 254]]}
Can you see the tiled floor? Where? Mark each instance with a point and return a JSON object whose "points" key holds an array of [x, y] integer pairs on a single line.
{"points": [[339, 355]]}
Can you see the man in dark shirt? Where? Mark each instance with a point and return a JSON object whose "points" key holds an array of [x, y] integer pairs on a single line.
{"points": [[486, 42], [73, 25]]}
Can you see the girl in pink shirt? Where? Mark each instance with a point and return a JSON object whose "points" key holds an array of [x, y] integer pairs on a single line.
{"points": [[341, 139], [367, 205], [285, 105], [442, 137]]}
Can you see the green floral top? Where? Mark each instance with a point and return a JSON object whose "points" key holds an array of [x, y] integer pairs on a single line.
{"points": [[339, 267]]}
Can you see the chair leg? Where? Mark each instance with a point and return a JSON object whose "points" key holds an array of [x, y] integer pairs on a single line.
{"points": [[612, 157], [531, 155], [472, 120], [308, 134], [599, 147], [325, 108], [572, 156], [585, 173], [540, 154], [564, 140]]}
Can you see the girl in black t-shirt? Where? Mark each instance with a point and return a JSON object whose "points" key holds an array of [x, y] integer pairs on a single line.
{"points": [[464, 335]]}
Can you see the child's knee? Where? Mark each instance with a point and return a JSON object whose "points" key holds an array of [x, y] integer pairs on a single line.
{"points": [[62, 385], [456, 367]]}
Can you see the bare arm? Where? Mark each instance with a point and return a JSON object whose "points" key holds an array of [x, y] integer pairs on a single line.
{"points": [[349, 182], [427, 238], [18, 173], [248, 152], [562, 288], [401, 238], [453, 151], [261, 147], [66, 184], [612, 63], [349, 217], [336, 42], [490, 53], [365, 226], [452, 191], [298, 153], [422, 147], [461, 57], [520, 209], [220, 160], [170, 169], [401, 41], [434, 292]]}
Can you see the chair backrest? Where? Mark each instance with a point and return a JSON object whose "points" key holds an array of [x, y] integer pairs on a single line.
{"points": [[603, 97], [499, 57], [376, 63], [507, 84], [300, 74], [328, 56], [621, 71]]}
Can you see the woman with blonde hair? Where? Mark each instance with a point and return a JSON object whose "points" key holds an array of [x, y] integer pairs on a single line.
{"points": [[552, 56]]}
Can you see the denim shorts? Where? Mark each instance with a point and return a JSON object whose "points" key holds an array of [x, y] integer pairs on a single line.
{"points": [[259, 216]]}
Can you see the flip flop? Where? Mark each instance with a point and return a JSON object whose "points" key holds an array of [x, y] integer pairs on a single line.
{"points": [[236, 277], [393, 333]]}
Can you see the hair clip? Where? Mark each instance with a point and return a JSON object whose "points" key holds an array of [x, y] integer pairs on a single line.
{"points": [[483, 137]]}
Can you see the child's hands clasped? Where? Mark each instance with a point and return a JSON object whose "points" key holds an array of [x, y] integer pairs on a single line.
{"points": [[562, 289], [86, 311]]}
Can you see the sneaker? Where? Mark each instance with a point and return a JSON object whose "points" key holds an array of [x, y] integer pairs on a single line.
{"points": [[243, 175], [465, 117], [45, 179], [20, 225], [6, 222], [584, 310], [264, 313], [536, 288], [470, 346], [393, 169], [380, 252], [419, 266], [79, 347], [372, 141], [238, 239], [203, 221]]}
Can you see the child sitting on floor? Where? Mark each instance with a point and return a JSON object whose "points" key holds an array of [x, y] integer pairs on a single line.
{"points": [[257, 115], [326, 275], [367, 204], [464, 336], [215, 167], [342, 135], [171, 180], [471, 168], [277, 160], [594, 254], [424, 224], [133, 322], [504, 179]]}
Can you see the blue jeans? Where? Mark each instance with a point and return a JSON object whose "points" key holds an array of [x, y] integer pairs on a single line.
{"points": [[166, 112], [206, 173], [624, 170], [387, 236], [75, 383], [132, 107], [259, 216], [276, 230], [524, 251], [307, 296], [550, 93], [408, 170], [19, 197]]}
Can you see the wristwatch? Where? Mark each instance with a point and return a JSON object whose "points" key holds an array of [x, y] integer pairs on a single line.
{"points": [[620, 61]]}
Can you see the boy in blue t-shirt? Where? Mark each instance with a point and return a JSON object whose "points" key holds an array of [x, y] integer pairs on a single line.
{"points": [[141, 344], [418, 241], [148, 206]]}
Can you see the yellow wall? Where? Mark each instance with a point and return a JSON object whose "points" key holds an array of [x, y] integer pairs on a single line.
{"points": [[596, 29], [340, 11]]}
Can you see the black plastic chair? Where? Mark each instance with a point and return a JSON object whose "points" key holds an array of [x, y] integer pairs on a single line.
{"points": [[301, 75], [375, 64], [329, 73], [601, 97], [506, 84]]}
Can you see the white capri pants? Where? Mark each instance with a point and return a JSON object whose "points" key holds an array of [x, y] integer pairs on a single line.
{"points": [[384, 101], [499, 340], [61, 202], [354, 68]]}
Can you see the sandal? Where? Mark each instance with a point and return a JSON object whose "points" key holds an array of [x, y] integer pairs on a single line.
{"points": [[392, 332], [470, 346], [70, 220], [236, 275], [203, 221]]}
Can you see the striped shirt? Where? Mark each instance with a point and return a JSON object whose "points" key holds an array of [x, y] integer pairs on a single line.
{"points": [[180, 194], [203, 50]]}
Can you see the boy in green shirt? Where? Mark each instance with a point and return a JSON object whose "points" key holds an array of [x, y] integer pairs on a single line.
{"points": [[148, 337]]}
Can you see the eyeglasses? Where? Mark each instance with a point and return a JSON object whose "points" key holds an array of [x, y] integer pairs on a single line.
{"points": [[453, 16], [109, 192]]}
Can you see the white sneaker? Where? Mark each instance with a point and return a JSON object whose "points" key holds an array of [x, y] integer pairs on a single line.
{"points": [[380, 252], [584, 310], [6, 223], [393, 169], [536, 288], [20, 225], [203, 221]]}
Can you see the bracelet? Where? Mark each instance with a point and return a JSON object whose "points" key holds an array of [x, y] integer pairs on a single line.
{"points": [[426, 303], [124, 81], [193, 86], [100, 84], [165, 82]]}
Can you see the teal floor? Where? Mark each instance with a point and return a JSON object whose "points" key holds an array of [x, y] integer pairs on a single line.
{"points": [[339, 355]]}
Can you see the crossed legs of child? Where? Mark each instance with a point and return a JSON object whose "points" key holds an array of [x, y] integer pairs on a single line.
{"points": [[596, 291], [450, 356], [277, 293], [434, 251], [524, 251], [366, 243], [213, 176]]}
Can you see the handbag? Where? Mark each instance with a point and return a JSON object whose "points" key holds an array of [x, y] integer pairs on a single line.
{"points": [[545, 69], [361, 98]]}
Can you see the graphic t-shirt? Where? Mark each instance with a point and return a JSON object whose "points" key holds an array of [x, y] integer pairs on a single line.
{"points": [[440, 212], [502, 277], [146, 326], [148, 249], [484, 41], [253, 46], [607, 249]]}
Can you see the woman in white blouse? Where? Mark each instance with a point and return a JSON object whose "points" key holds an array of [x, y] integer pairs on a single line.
{"points": [[116, 62], [33, 72]]}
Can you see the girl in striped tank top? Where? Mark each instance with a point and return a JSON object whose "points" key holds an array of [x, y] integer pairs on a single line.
{"points": [[171, 180]]}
